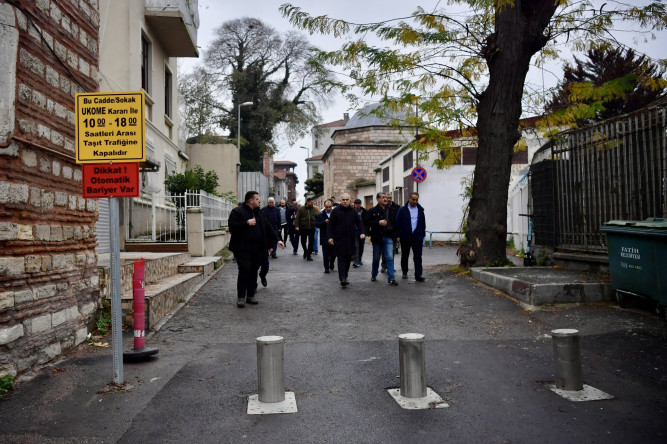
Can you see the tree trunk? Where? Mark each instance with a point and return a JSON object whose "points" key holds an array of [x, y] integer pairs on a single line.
{"points": [[519, 34]]}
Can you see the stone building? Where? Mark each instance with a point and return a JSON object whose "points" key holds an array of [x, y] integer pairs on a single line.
{"points": [[285, 180], [49, 285], [320, 142], [358, 147]]}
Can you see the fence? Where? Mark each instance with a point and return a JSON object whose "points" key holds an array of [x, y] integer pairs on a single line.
{"points": [[163, 218], [216, 209], [616, 169]]}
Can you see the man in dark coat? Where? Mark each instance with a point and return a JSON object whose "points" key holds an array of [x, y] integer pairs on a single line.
{"points": [[411, 229], [252, 239], [360, 242], [272, 214], [291, 229], [382, 226], [322, 223], [341, 232]]}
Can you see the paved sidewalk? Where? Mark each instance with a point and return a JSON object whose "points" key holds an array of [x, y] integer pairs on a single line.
{"points": [[488, 357]]}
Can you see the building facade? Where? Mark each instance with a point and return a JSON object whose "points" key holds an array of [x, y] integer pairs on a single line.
{"points": [[49, 284], [285, 180], [140, 43], [443, 191], [351, 159], [320, 141]]}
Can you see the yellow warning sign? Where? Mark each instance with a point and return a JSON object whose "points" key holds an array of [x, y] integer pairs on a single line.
{"points": [[110, 127]]}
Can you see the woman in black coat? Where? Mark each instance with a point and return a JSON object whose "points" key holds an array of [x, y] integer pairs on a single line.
{"points": [[343, 223]]}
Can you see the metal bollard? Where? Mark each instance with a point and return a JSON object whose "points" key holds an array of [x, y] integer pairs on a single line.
{"points": [[270, 369], [412, 364], [568, 359]]}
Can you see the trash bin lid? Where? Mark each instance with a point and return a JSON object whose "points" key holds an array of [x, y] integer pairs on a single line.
{"points": [[658, 224]]}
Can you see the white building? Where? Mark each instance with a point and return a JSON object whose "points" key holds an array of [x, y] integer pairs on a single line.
{"points": [[140, 41], [442, 192]]}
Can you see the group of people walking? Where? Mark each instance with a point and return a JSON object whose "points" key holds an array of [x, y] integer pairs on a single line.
{"points": [[343, 227]]}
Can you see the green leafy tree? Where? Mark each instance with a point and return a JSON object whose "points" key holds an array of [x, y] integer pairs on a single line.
{"points": [[608, 82], [315, 184], [251, 62], [192, 180], [465, 66]]}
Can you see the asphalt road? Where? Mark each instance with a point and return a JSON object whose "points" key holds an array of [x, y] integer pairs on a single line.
{"points": [[487, 356]]}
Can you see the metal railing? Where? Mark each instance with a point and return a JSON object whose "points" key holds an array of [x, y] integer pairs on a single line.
{"points": [[616, 169], [162, 219], [216, 209]]}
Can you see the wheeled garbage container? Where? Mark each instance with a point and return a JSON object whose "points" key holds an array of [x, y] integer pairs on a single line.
{"points": [[638, 259]]}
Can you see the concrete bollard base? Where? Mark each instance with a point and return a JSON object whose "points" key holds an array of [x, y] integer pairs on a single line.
{"points": [[588, 393], [257, 407], [431, 401]]}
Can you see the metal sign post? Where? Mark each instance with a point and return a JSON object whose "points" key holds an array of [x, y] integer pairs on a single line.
{"points": [[111, 127], [116, 309]]}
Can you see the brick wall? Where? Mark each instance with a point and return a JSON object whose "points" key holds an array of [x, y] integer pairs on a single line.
{"points": [[345, 165], [49, 286]]}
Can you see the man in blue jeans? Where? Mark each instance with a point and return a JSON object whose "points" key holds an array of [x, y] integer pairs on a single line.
{"points": [[382, 225], [411, 229]]}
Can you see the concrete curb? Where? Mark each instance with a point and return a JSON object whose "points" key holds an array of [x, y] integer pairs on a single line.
{"points": [[547, 293], [189, 296]]}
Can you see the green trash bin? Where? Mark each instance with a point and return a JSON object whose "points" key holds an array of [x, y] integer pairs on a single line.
{"points": [[638, 259]]}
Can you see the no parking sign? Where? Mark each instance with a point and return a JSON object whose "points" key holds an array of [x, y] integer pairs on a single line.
{"points": [[419, 174]]}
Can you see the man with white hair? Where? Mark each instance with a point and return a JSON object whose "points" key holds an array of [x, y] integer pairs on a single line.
{"points": [[343, 225], [272, 213]]}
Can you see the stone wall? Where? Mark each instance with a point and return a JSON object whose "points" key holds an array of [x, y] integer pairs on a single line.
{"points": [[49, 285], [348, 164], [372, 134]]}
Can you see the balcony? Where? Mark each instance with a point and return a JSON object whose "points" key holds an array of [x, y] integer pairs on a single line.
{"points": [[174, 23]]}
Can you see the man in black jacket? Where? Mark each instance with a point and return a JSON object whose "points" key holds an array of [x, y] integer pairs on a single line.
{"points": [[344, 223], [272, 214], [291, 229], [411, 229], [322, 222], [360, 242], [382, 225], [252, 240]]}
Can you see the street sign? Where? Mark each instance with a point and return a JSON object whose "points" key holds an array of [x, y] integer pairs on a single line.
{"points": [[110, 127], [419, 174], [102, 180]]}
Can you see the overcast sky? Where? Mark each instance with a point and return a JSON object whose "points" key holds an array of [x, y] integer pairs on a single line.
{"points": [[212, 13]]}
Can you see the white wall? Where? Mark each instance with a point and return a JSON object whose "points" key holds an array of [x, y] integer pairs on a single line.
{"points": [[440, 195]]}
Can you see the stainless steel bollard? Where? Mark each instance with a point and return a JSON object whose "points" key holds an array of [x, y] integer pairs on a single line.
{"points": [[270, 369], [412, 362], [568, 359]]}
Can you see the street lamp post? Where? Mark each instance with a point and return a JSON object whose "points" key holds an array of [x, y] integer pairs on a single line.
{"points": [[308, 152], [238, 133], [238, 145]]}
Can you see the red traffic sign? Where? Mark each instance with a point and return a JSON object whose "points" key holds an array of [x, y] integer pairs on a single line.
{"points": [[419, 174], [110, 180]]}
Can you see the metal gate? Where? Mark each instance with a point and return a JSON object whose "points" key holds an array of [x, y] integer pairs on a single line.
{"points": [[616, 169]]}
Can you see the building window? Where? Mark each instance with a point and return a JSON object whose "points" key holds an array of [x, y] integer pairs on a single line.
{"points": [[385, 174], [167, 92], [145, 64], [169, 166], [408, 161], [317, 142], [315, 170]]}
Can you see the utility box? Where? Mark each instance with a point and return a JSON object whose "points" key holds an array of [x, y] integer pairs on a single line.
{"points": [[638, 259]]}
